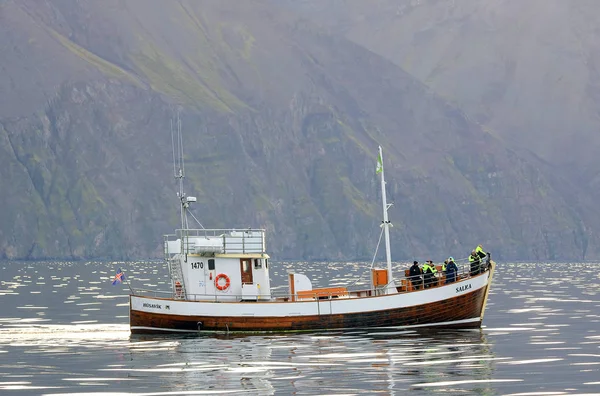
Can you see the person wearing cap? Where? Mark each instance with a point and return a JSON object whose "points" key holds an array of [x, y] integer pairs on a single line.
{"points": [[429, 274], [451, 270], [415, 275]]}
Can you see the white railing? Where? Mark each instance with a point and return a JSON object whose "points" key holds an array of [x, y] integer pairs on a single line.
{"points": [[227, 241], [463, 274], [232, 297], [465, 270]]}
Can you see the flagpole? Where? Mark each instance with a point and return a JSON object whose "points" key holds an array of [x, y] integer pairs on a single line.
{"points": [[128, 285], [391, 287]]}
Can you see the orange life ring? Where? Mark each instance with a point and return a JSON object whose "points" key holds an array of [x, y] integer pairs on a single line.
{"points": [[227, 282]]}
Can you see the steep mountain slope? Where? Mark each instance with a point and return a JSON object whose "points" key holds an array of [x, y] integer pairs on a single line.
{"points": [[529, 70], [281, 123]]}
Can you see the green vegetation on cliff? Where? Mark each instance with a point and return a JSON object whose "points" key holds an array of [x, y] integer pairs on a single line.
{"points": [[282, 122]]}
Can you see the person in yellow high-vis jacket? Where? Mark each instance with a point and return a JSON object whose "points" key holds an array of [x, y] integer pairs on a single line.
{"points": [[429, 274]]}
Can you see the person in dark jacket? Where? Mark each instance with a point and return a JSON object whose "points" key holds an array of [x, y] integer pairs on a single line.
{"points": [[415, 275], [429, 277], [451, 271]]}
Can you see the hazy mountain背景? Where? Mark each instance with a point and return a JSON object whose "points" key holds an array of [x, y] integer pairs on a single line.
{"points": [[281, 122], [527, 69]]}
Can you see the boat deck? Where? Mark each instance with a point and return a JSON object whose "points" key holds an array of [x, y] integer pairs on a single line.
{"points": [[338, 292]]}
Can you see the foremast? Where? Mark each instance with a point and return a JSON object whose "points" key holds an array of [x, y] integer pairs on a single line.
{"points": [[386, 224], [179, 173]]}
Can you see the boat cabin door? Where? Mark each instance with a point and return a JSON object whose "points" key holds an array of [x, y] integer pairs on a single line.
{"points": [[246, 271]]}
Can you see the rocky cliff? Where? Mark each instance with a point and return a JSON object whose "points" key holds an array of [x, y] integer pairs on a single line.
{"points": [[281, 124], [528, 70]]}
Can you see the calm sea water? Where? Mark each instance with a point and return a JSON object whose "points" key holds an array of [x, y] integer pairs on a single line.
{"points": [[64, 330]]}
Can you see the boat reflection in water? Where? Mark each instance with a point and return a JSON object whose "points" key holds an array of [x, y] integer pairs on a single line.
{"points": [[387, 361]]}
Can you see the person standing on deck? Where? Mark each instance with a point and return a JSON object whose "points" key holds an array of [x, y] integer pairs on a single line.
{"points": [[475, 262], [429, 274], [482, 254], [451, 270], [415, 275]]}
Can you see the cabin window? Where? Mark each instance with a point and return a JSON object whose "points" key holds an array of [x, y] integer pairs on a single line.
{"points": [[257, 263], [266, 263], [211, 264]]}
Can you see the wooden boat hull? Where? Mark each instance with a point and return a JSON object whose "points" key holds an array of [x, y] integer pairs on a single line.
{"points": [[459, 305]]}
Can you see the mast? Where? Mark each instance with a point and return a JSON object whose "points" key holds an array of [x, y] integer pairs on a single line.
{"points": [[391, 288], [179, 172], [175, 265]]}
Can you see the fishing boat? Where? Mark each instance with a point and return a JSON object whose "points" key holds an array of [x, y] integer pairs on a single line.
{"points": [[220, 283]]}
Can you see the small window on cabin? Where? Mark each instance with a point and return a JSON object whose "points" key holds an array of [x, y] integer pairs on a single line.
{"points": [[246, 264], [266, 263], [211, 264], [257, 263]]}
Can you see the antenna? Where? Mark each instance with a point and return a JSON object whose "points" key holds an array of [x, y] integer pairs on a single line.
{"points": [[179, 171], [173, 147]]}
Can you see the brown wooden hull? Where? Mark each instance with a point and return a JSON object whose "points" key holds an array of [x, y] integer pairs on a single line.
{"points": [[443, 314]]}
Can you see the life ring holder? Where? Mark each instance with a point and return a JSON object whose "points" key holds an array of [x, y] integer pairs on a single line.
{"points": [[227, 282]]}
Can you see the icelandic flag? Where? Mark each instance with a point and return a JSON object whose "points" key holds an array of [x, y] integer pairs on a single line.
{"points": [[119, 277]]}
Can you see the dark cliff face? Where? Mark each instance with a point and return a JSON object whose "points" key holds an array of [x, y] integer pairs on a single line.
{"points": [[281, 126]]}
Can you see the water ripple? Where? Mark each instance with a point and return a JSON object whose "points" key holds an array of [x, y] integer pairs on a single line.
{"points": [[64, 331]]}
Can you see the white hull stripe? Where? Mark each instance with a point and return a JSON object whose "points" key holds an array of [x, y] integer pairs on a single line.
{"points": [[305, 308]]}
